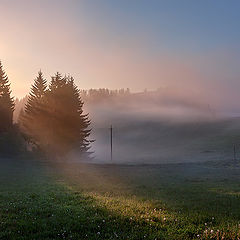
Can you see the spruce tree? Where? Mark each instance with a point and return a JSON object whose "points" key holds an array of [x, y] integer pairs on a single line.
{"points": [[33, 120], [78, 120], [54, 118], [69, 127], [36, 95], [6, 102]]}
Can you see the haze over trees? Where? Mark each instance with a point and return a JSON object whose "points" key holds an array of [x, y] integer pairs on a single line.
{"points": [[10, 142], [6, 102], [53, 118]]}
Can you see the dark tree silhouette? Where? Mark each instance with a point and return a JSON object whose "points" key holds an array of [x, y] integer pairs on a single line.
{"points": [[32, 120], [77, 119], [37, 94], [6, 102], [53, 119], [69, 127]]}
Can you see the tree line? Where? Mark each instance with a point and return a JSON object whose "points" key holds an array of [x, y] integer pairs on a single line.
{"points": [[103, 94], [91, 96], [52, 120]]}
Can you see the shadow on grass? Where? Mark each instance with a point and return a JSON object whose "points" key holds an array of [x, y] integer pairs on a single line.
{"points": [[54, 212], [199, 196], [92, 202], [35, 206]]}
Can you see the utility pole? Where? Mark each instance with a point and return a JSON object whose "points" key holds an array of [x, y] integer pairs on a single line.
{"points": [[111, 137], [234, 152]]}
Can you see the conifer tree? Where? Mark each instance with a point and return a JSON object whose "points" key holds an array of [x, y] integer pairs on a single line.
{"points": [[57, 82], [70, 127], [6, 102], [32, 121], [78, 120], [36, 95], [54, 118]]}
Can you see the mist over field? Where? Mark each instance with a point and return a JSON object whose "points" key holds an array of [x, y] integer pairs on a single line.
{"points": [[157, 127], [152, 128]]}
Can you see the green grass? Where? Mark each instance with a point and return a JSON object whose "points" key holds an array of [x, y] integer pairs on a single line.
{"points": [[80, 201]]}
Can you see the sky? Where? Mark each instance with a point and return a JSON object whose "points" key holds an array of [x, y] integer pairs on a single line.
{"points": [[189, 45]]}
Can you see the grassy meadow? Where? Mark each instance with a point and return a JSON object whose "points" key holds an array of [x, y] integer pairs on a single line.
{"points": [[42, 200]]}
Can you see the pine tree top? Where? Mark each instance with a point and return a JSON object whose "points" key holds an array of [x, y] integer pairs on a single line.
{"points": [[4, 82], [39, 87], [6, 101], [37, 92], [57, 81]]}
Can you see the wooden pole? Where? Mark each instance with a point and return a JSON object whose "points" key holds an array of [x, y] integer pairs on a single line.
{"points": [[234, 152], [111, 136]]}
